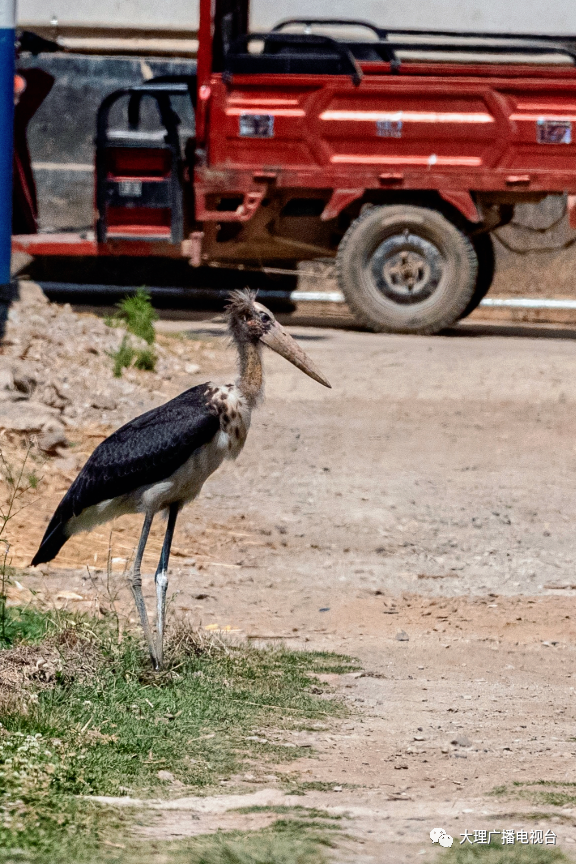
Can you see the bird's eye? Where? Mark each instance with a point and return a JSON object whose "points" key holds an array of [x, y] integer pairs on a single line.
{"points": [[265, 318]]}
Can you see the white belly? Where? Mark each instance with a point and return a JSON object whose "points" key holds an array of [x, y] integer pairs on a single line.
{"points": [[182, 486], [186, 482]]}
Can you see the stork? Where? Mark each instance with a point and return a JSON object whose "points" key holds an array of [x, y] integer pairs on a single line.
{"points": [[161, 460]]}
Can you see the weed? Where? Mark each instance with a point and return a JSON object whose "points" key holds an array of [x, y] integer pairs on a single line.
{"points": [[145, 360], [25, 624], [137, 315], [122, 358]]}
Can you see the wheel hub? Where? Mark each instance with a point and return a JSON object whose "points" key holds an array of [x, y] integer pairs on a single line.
{"points": [[407, 268]]}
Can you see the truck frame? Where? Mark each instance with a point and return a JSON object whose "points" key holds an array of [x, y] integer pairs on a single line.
{"points": [[395, 152]]}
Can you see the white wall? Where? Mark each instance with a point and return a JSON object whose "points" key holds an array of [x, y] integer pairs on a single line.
{"points": [[160, 14], [521, 16]]}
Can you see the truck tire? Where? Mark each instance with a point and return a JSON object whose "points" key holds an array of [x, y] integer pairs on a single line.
{"points": [[406, 269], [484, 247]]}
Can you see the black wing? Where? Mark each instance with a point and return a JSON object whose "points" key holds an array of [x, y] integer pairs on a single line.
{"points": [[146, 450]]}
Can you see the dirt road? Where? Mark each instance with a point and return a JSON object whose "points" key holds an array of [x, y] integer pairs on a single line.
{"points": [[419, 516]]}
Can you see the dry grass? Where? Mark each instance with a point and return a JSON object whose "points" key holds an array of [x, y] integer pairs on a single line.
{"points": [[65, 653]]}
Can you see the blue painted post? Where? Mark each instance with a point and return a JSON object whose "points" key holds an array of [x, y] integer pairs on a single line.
{"points": [[7, 47]]}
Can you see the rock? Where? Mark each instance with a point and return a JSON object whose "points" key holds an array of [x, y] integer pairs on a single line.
{"points": [[166, 775], [24, 382], [104, 402], [65, 465], [402, 636], [25, 416], [35, 321], [19, 594], [461, 741], [191, 368], [53, 436], [6, 378], [135, 342], [31, 294], [54, 397], [69, 595]]}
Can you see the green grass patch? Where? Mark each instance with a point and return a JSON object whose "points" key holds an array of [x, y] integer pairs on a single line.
{"points": [[285, 842], [262, 848], [293, 785], [294, 812], [145, 360], [26, 624], [496, 853], [108, 725], [547, 792]]}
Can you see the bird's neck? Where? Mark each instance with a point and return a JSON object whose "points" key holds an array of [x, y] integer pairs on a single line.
{"points": [[251, 379]]}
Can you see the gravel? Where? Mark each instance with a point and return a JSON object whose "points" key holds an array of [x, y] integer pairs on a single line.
{"points": [[56, 366]]}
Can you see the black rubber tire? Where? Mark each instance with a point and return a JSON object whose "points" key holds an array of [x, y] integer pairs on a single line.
{"points": [[438, 249], [484, 246]]}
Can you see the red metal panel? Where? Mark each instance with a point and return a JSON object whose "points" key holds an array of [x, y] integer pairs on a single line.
{"points": [[66, 245], [451, 133], [145, 163], [139, 221], [204, 67], [54, 244], [528, 110]]}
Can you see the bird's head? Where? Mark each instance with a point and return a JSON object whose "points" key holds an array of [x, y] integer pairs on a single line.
{"points": [[251, 322]]}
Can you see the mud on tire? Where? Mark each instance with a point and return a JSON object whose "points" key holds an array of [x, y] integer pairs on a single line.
{"points": [[406, 269]]}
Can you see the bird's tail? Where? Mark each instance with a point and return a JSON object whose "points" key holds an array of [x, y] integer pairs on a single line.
{"points": [[53, 540]]}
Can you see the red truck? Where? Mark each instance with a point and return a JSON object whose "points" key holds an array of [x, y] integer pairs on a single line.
{"points": [[394, 152]]}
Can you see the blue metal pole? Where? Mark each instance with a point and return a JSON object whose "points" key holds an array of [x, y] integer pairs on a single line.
{"points": [[7, 48]]}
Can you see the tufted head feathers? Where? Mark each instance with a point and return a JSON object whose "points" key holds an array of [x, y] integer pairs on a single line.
{"points": [[248, 320], [251, 323]]}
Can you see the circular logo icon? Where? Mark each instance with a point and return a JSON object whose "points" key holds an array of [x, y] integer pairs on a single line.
{"points": [[438, 835]]}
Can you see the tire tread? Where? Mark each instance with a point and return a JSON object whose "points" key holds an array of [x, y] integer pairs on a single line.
{"points": [[347, 249]]}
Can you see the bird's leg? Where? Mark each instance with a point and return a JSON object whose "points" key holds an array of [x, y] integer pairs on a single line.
{"points": [[137, 589], [161, 580]]}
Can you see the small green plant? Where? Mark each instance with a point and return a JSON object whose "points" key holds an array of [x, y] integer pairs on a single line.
{"points": [[123, 357], [18, 482], [145, 360], [137, 315], [25, 624]]}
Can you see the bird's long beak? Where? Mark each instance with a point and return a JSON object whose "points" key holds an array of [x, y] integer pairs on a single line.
{"points": [[282, 343]]}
